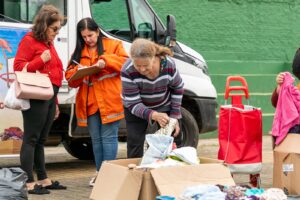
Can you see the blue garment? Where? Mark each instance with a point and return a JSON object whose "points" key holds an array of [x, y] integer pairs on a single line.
{"points": [[295, 129], [104, 139]]}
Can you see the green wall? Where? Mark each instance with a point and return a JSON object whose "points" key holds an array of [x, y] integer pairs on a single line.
{"points": [[253, 38]]}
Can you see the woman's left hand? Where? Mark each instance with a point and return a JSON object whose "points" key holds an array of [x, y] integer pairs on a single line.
{"points": [[57, 112], [177, 129], [100, 64]]}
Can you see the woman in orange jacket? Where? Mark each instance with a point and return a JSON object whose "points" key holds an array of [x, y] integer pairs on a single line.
{"points": [[98, 101]]}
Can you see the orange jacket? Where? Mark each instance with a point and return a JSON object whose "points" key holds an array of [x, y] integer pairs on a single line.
{"points": [[106, 84]]}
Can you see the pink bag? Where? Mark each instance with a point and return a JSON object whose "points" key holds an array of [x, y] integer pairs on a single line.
{"points": [[33, 85]]}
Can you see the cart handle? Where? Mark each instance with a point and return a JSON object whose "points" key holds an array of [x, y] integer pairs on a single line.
{"points": [[229, 88]]}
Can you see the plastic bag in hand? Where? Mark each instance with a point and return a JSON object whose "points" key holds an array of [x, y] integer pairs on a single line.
{"points": [[169, 128], [12, 102]]}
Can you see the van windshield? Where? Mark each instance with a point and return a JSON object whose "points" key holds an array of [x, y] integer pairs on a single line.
{"points": [[25, 10], [127, 19], [112, 17]]}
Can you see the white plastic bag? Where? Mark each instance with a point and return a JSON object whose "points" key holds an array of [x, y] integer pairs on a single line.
{"points": [[12, 102], [159, 148]]}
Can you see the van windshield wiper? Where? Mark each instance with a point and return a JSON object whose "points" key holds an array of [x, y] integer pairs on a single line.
{"points": [[12, 19]]}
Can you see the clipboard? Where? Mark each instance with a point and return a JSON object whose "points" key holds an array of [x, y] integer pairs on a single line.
{"points": [[84, 71]]}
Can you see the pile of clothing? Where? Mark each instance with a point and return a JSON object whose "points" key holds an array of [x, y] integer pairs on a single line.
{"points": [[213, 192], [162, 150], [14, 133]]}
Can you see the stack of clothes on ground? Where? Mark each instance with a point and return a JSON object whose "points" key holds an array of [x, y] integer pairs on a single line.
{"points": [[14, 133]]}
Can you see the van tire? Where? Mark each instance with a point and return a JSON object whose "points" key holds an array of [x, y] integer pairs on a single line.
{"points": [[189, 134], [79, 148]]}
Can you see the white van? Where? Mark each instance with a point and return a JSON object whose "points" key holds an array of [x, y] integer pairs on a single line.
{"points": [[124, 20]]}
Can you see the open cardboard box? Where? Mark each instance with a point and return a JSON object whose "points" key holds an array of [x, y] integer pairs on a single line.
{"points": [[10, 146], [286, 165], [116, 181]]}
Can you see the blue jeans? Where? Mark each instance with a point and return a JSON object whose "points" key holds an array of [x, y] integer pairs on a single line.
{"points": [[104, 139]]}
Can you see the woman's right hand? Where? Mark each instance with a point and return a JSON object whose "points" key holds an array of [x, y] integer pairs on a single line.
{"points": [[46, 56], [279, 80], [161, 118]]}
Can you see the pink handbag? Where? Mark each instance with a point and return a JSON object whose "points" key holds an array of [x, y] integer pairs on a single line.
{"points": [[33, 85]]}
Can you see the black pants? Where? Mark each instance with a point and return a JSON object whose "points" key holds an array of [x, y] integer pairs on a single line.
{"points": [[37, 122], [136, 131]]}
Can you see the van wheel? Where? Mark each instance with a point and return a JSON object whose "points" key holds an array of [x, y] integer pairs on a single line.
{"points": [[79, 148], [189, 133]]}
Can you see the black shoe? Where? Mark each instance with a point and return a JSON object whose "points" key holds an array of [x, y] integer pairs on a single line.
{"points": [[55, 185], [39, 190]]}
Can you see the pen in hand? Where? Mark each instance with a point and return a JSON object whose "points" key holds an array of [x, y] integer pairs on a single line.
{"points": [[79, 65]]}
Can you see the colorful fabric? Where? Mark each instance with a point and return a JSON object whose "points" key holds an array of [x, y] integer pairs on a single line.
{"points": [[12, 133], [273, 194]]}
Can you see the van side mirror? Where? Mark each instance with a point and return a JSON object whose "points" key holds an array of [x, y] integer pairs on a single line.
{"points": [[145, 30], [171, 31]]}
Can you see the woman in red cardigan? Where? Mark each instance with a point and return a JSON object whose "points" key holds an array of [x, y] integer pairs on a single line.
{"points": [[37, 52]]}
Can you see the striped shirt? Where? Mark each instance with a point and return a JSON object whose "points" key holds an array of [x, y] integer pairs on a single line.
{"points": [[143, 96]]}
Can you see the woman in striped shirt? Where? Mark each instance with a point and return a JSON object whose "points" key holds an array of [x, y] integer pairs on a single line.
{"points": [[152, 90]]}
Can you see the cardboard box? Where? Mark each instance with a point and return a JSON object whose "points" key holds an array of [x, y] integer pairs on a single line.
{"points": [[10, 146], [116, 181], [286, 169]]}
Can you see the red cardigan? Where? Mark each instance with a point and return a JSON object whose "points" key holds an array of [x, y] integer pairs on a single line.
{"points": [[30, 50]]}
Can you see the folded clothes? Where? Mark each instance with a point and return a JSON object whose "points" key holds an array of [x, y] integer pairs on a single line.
{"points": [[202, 192], [186, 154]]}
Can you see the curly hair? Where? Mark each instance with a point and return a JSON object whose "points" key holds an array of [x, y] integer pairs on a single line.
{"points": [[46, 16], [143, 48]]}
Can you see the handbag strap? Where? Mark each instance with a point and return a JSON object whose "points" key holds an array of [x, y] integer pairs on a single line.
{"points": [[25, 69]]}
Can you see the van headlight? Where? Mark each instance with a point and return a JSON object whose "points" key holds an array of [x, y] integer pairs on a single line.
{"points": [[202, 65]]}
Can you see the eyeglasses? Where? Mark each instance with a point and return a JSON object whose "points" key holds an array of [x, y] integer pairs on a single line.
{"points": [[55, 28]]}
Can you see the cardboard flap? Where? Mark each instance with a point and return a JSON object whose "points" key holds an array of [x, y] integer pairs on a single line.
{"points": [[125, 162], [114, 181], [41, 80], [290, 144], [172, 181]]}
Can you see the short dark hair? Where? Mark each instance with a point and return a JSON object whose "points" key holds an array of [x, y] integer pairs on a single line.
{"points": [[46, 16], [296, 64]]}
